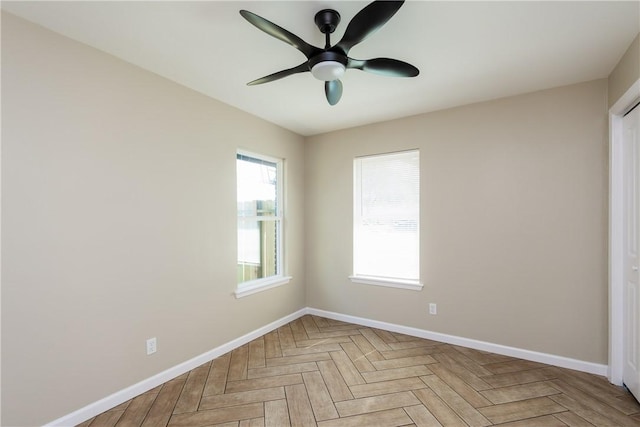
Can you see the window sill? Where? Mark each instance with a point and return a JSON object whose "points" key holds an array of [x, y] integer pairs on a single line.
{"points": [[413, 285], [255, 286]]}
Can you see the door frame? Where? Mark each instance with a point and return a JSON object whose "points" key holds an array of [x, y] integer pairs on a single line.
{"points": [[616, 227]]}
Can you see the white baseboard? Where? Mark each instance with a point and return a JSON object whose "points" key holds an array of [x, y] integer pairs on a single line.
{"points": [[549, 359], [122, 396]]}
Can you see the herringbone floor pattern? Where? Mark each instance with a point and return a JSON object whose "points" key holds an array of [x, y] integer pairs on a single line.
{"points": [[316, 371]]}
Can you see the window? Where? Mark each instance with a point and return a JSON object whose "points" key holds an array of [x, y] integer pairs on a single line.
{"points": [[386, 229], [259, 185]]}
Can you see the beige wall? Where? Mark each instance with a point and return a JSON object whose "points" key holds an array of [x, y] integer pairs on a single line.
{"points": [[513, 222], [118, 209], [626, 72]]}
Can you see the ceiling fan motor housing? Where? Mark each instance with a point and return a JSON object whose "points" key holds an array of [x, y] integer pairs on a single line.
{"points": [[328, 66]]}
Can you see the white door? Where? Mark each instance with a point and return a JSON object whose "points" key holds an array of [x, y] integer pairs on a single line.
{"points": [[631, 322]]}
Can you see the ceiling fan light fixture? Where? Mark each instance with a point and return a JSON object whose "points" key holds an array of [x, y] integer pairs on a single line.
{"points": [[328, 70]]}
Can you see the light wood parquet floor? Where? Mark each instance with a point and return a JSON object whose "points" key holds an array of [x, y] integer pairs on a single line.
{"points": [[316, 371]]}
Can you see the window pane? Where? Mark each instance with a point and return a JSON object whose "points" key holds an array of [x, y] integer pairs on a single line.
{"points": [[257, 249], [257, 187], [387, 253], [259, 191], [387, 209]]}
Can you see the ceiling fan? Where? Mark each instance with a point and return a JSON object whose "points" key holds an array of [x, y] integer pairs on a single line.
{"points": [[330, 63]]}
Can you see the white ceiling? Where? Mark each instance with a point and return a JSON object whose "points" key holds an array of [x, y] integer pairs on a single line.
{"points": [[466, 51]]}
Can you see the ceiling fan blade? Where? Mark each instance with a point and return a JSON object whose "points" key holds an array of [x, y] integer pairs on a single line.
{"points": [[280, 33], [333, 90], [368, 21], [384, 67], [280, 74]]}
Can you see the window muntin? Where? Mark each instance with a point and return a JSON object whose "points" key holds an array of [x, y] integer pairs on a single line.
{"points": [[259, 210], [387, 218]]}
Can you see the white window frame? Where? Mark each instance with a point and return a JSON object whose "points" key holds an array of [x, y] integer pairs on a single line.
{"points": [[392, 282], [251, 287]]}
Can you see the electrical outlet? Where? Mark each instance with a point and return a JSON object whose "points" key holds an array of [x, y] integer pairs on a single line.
{"points": [[433, 309], [152, 346]]}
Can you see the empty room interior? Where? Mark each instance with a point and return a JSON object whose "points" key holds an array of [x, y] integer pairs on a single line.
{"points": [[182, 248]]}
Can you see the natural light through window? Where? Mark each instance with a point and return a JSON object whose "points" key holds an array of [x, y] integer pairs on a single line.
{"points": [[387, 220], [260, 213]]}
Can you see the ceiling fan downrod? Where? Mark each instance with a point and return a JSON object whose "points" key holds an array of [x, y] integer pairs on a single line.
{"points": [[327, 20]]}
